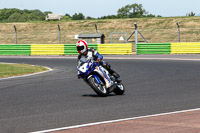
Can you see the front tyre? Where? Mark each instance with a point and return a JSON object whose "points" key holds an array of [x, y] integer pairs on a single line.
{"points": [[120, 89], [98, 88]]}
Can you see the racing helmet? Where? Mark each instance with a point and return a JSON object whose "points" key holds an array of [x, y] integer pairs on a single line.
{"points": [[81, 46]]}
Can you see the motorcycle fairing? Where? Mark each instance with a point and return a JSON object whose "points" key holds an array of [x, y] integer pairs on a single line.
{"points": [[104, 76]]}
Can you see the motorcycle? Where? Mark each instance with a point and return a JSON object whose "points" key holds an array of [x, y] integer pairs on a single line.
{"points": [[99, 79]]}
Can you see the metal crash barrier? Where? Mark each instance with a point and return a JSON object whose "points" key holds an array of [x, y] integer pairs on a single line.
{"points": [[168, 48], [61, 49]]}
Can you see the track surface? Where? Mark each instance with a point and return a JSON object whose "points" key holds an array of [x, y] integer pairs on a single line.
{"points": [[58, 99]]}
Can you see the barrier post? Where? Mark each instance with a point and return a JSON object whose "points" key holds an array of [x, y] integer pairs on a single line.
{"points": [[15, 34], [96, 28], [111, 38], [179, 40], [136, 37], [59, 33]]}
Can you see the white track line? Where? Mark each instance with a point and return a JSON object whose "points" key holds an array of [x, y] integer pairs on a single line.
{"points": [[49, 69], [113, 121]]}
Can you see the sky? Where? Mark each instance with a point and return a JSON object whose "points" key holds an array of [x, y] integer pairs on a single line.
{"points": [[99, 8]]}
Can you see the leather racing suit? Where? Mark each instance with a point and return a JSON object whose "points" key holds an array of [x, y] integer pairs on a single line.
{"points": [[94, 55]]}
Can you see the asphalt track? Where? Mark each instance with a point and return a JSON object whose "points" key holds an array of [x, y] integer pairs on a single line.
{"points": [[58, 99]]}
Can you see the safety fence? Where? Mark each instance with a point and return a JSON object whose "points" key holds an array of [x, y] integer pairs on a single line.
{"points": [[61, 49], [168, 48]]}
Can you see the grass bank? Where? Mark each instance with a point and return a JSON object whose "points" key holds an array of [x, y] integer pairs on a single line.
{"points": [[155, 30], [9, 70]]}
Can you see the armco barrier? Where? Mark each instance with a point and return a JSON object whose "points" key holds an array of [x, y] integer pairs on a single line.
{"points": [[13, 49], [47, 49], [61, 49], [153, 48], [168, 48], [70, 49], [115, 48], [185, 48]]}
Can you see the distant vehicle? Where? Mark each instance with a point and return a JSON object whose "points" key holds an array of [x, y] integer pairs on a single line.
{"points": [[54, 17]]}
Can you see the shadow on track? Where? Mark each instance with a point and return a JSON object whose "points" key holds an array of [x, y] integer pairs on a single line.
{"points": [[95, 95]]}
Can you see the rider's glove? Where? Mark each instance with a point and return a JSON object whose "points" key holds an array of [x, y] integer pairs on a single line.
{"points": [[78, 76]]}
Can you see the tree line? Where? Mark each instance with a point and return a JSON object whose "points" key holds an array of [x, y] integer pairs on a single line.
{"points": [[17, 15], [128, 11]]}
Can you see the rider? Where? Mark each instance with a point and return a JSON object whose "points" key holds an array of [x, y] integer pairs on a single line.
{"points": [[86, 53]]}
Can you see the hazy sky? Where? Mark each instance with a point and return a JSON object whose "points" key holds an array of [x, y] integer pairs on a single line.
{"points": [[99, 8]]}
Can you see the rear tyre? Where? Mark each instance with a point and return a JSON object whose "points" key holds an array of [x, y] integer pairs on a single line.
{"points": [[98, 88], [120, 89]]}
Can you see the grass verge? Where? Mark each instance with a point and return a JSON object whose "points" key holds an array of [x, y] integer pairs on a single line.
{"points": [[9, 70], [155, 30]]}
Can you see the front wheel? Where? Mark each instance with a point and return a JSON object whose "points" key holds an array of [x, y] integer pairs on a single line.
{"points": [[98, 88], [120, 89]]}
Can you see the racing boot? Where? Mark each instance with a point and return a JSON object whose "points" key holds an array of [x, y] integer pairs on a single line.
{"points": [[112, 72], [115, 74]]}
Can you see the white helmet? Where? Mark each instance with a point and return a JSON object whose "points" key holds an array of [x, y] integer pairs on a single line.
{"points": [[81, 46]]}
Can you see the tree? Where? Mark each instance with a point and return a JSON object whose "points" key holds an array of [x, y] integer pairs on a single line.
{"points": [[79, 16], [47, 12], [132, 11], [124, 11], [38, 14], [6, 13], [150, 15], [66, 18], [16, 15], [190, 14], [67, 15], [89, 18]]}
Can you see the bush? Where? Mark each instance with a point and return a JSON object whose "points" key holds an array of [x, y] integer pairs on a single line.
{"points": [[79, 16], [16, 15]]}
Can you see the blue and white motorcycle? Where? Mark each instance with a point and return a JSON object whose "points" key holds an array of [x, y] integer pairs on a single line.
{"points": [[99, 78]]}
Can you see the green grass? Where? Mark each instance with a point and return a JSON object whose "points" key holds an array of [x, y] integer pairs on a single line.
{"points": [[9, 70]]}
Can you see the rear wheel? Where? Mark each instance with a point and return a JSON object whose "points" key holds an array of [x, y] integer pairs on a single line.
{"points": [[119, 90], [98, 88]]}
